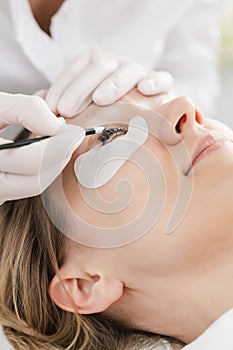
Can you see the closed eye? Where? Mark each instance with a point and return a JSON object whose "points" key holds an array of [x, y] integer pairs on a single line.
{"points": [[110, 133]]}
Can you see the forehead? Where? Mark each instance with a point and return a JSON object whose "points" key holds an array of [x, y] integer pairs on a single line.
{"points": [[116, 113]]}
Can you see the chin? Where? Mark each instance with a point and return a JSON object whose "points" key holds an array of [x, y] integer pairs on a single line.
{"points": [[213, 180]]}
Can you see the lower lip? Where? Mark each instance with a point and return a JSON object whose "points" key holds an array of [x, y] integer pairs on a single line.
{"points": [[209, 150]]}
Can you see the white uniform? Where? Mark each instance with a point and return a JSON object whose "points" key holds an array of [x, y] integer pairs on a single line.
{"points": [[4, 344], [174, 35]]}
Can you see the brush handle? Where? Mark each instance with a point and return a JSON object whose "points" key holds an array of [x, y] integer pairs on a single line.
{"points": [[20, 143]]}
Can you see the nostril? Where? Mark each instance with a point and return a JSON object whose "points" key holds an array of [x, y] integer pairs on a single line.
{"points": [[199, 117], [179, 125]]}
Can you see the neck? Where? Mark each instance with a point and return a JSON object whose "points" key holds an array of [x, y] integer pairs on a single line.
{"points": [[186, 308], [43, 11], [182, 304]]}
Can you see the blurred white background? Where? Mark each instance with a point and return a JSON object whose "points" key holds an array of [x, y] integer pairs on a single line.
{"points": [[224, 106]]}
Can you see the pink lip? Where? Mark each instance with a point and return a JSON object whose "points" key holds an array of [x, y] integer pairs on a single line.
{"points": [[207, 145]]}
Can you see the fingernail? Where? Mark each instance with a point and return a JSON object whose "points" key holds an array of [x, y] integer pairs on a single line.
{"points": [[160, 84], [106, 94]]}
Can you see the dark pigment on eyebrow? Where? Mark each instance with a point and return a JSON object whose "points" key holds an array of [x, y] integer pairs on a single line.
{"points": [[111, 133]]}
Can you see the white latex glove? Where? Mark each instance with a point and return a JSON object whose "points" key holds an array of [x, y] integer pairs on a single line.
{"points": [[28, 170], [103, 78]]}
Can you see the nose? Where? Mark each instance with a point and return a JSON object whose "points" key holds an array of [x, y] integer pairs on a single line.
{"points": [[178, 117]]}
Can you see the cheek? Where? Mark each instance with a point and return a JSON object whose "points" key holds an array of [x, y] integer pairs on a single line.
{"points": [[134, 199], [115, 204], [145, 185], [134, 97], [217, 125]]}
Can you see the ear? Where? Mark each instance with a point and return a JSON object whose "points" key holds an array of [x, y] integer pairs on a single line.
{"points": [[84, 293]]}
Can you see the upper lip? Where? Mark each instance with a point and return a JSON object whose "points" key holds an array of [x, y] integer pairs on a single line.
{"points": [[204, 143]]}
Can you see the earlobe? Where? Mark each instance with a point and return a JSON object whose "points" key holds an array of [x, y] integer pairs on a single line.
{"points": [[85, 295]]}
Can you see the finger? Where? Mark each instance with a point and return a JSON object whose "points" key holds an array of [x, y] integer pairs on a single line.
{"points": [[156, 83], [3, 141], [41, 93], [79, 93], [28, 160], [119, 83], [30, 112], [17, 186], [65, 79]]}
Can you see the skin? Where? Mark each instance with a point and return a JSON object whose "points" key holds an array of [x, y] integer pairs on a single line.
{"points": [[176, 284], [43, 11]]}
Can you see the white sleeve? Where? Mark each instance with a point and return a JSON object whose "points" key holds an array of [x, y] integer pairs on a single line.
{"points": [[191, 53], [4, 342], [217, 337]]}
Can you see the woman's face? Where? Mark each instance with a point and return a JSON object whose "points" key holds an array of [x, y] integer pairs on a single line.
{"points": [[201, 199]]}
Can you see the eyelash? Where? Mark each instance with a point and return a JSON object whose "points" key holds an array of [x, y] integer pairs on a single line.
{"points": [[110, 133]]}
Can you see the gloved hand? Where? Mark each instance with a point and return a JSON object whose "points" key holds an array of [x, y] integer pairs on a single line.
{"points": [[103, 78], [28, 170]]}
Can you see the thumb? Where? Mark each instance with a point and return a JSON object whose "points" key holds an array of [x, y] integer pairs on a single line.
{"points": [[28, 160]]}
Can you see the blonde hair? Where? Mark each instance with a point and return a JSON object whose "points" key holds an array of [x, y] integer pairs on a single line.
{"points": [[31, 252]]}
